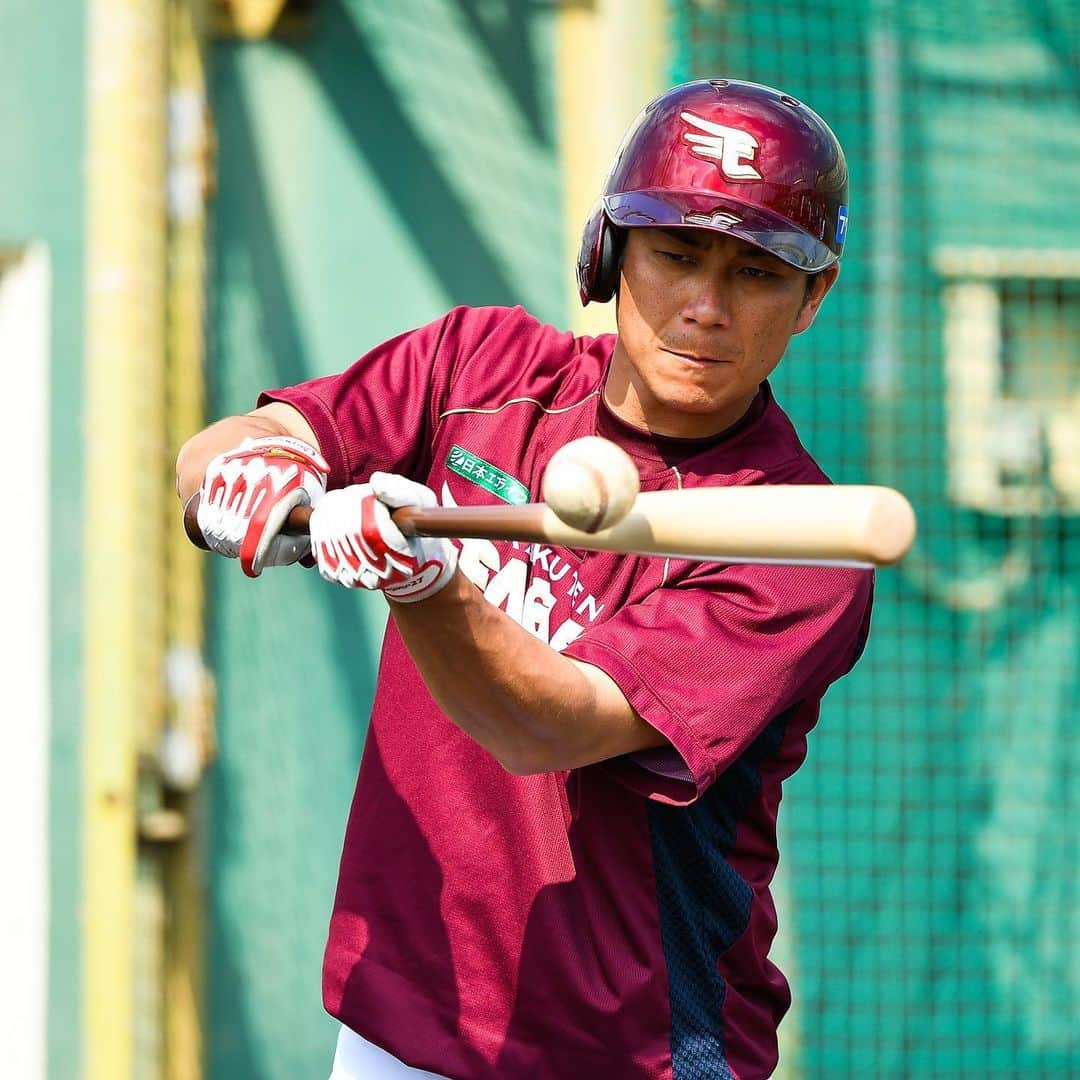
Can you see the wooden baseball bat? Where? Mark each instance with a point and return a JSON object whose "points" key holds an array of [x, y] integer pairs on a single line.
{"points": [[838, 524]]}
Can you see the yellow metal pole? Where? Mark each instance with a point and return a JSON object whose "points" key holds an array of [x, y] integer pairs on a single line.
{"points": [[610, 60], [123, 629], [190, 713]]}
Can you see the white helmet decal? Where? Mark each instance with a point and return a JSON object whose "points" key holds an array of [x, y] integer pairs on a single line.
{"points": [[733, 149], [718, 219]]}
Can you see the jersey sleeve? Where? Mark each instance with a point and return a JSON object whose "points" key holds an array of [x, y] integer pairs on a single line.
{"points": [[381, 411], [712, 663]]}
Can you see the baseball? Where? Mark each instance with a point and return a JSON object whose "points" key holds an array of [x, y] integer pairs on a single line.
{"points": [[590, 483]]}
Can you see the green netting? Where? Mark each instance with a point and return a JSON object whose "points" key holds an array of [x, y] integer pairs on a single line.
{"points": [[931, 879]]}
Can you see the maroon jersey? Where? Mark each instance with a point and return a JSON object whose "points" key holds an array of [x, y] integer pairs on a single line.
{"points": [[613, 921]]}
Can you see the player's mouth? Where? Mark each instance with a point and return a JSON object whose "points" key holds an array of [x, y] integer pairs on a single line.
{"points": [[696, 359]]}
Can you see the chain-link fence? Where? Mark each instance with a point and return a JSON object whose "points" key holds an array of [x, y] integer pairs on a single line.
{"points": [[931, 880]]}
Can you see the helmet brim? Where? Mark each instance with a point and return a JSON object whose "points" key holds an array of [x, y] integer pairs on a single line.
{"points": [[694, 210]]}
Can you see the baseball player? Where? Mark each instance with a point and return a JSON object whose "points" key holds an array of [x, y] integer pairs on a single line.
{"points": [[558, 858]]}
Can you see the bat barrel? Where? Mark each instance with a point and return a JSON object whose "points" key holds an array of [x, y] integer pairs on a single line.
{"points": [[863, 524]]}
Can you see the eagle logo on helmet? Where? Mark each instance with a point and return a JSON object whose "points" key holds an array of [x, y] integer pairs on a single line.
{"points": [[718, 219], [731, 148]]}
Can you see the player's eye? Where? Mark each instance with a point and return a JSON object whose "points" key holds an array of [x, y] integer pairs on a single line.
{"points": [[678, 257], [757, 273]]}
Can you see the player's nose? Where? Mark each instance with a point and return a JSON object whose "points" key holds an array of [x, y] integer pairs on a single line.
{"points": [[708, 301]]}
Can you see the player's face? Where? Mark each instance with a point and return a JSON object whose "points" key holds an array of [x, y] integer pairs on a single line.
{"points": [[703, 319]]}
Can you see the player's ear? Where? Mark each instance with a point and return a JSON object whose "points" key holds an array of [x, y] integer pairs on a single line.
{"points": [[819, 285]]}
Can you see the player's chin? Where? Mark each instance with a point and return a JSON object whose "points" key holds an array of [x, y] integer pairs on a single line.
{"points": [[691, 401], [703, 387]]}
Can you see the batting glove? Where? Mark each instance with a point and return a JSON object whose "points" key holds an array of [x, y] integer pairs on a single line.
{"points": [[248, 493], [356, 542]]}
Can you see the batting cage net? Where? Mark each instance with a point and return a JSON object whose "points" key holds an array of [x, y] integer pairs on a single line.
{"points": [[930, 885]]}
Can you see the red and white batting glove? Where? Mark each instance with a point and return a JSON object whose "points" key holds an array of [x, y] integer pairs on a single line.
{"points": [[247, 494], [357, 544]]}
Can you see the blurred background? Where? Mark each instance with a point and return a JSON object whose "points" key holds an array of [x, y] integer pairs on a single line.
{"points": [[201, 198]]}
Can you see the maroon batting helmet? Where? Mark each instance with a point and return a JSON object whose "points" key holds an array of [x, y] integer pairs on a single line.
{"points": [[731, 156]]}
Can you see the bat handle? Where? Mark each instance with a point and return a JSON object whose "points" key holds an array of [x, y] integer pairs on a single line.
{"points": [[405, 518]]}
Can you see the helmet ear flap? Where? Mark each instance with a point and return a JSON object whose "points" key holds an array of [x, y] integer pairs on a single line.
{"points": [[600, 257], [612, 244]]}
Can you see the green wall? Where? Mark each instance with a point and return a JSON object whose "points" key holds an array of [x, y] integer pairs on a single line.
{"points": [[394, 161], [41, 199]]}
